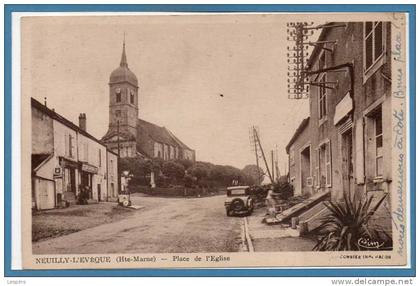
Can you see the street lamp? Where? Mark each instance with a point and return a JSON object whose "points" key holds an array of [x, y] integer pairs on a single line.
{"points": [[127, 176]]}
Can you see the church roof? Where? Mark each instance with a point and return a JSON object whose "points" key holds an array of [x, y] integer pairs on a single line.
{"points": [[123, 73], [156, 133]]}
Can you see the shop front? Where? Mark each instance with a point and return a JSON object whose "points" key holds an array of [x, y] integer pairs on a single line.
{"points": [[66, 180], [87, 172]]}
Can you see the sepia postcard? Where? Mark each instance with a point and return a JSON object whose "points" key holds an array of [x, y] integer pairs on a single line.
{"points": [[214, 140]]}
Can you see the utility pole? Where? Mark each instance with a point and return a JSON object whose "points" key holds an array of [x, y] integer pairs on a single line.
{"points": [[256, 158], [277, 165], [254, 148], [118, 160], [272, 165], [263, 155]]}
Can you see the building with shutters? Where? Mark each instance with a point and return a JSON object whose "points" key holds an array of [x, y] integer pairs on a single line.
{"points": [[67, 159], [344, 146], [137, 137]]}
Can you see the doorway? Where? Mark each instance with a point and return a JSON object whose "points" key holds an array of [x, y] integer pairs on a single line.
{"points": [[305, 171], [347, 161], [99, 192], [72, 173], [86, 182]]}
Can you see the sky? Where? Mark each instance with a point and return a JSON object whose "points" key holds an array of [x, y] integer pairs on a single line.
{"points": [[183, 64]]}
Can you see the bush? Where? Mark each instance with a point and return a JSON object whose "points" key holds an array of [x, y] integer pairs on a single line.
{"points": [[346, 223], [283, 190], [201, 174], [174, 171], [253, 174]]}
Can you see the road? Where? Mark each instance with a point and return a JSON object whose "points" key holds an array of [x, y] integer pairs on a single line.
{"points": [[164, 225]]}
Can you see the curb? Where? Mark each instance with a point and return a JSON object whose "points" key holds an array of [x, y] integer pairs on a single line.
{"points": [[248, 237]]}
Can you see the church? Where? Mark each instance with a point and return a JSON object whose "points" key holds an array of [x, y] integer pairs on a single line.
{"points": [[137, 137]]}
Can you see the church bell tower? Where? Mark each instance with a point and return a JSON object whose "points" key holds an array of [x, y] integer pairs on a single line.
{"points": [[123, 98]]}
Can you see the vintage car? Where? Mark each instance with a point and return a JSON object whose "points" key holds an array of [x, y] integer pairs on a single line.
{"points": [[239, 200]]}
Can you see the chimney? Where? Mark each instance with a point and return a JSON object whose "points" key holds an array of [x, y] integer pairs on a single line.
{"points": [[82, 121]]}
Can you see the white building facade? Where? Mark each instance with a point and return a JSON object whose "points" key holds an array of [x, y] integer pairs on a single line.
{"points": [[66, 160]]}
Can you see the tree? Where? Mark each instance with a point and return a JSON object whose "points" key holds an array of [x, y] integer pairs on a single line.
{"points": [[136, 166], [184, 162], [251, 174], [200, 172], [173, 170]]}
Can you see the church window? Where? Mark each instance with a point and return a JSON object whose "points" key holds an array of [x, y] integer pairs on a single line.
{"points": [[118, 95], [132, 97]]}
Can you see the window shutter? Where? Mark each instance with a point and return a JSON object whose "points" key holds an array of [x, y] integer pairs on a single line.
{"points": [[328, 163], [66, 145], [360, 164], [71, 147], [317, 168]]}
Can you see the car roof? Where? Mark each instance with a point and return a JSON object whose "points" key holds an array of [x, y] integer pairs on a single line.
{"points": [[237, 188]]}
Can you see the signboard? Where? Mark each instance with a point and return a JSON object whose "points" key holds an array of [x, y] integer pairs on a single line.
{"points": [[89, 168], [343, 108], [58, 172]]}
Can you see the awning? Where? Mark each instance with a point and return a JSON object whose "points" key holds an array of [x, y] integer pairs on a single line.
{"points": [[343, 108]]}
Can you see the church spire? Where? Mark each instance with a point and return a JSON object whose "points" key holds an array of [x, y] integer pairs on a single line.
{"points": [[123, 62]]}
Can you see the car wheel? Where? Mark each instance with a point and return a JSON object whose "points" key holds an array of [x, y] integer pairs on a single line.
{"points": [[238, 205]]}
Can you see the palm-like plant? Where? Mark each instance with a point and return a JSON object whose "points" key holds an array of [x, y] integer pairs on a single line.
{"points": [[346, 223]]}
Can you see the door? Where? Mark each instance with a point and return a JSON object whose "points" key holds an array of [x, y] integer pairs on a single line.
{"points": [[305, 171], [72, 180], [112, 190], [99, 192], [347, 164], [46, 194]]}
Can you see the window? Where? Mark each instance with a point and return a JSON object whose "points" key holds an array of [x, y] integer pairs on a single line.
{"points": [[374, 142], [118, 113], [86, 152], [322, 97], [132, 97], [99, 158], [118, 95], [378, 145], [322, 62], [322, 90], [373, 42], [68, 142], [324, 169]]}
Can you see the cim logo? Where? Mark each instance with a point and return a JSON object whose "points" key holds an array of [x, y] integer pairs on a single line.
{"points": [[367, 243]]}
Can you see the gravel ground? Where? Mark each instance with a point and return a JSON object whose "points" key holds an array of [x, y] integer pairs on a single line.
{"points": [[164, 225], [58, 222]]}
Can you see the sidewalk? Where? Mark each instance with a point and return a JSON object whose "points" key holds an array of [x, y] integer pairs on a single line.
{"points": [[272, 238]]}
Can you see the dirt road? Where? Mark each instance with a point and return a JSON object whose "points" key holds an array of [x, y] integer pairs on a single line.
{"points": [[164, 225]]}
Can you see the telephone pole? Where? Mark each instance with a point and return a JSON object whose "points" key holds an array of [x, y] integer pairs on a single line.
{"points": [[263, 155], [272, 165], [254, 148]]}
